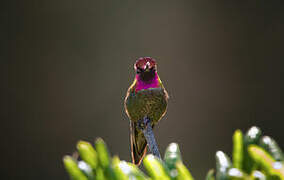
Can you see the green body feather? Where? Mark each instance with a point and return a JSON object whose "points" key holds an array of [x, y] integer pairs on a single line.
{"points": [[150, 102]]}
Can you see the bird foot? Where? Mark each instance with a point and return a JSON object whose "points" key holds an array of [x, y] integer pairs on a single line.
{"points": [[143, 123]]}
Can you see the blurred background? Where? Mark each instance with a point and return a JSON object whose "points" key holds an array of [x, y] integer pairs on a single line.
{"points": [[66, 66]]}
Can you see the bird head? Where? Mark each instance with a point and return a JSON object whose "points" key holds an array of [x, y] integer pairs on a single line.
{"points": [[145, 68]]}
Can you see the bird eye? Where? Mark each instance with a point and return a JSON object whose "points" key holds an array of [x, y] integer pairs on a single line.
{"points": [[138, 70]]}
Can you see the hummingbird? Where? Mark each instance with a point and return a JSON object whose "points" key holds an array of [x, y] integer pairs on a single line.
{"points": [[146, 97]]}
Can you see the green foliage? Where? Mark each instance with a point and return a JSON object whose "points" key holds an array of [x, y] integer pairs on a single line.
{"points": [[238, 148], [97, 164], [254, 157], [223, 163]]}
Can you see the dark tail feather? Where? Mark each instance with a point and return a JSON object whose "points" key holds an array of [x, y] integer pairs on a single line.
{"points": [[138, 144]]}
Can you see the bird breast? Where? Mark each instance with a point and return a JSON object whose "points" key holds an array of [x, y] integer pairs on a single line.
{"points": [[150, 102]]}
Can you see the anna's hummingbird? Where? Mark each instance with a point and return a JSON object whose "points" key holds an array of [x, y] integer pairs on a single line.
{"points": [[146, 97]]}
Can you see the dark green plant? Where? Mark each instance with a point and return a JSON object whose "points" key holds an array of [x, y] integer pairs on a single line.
{"points": [[254, 157], [96, 164]]}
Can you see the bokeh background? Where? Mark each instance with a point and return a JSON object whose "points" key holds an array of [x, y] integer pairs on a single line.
{"points": [[66, 66]]}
